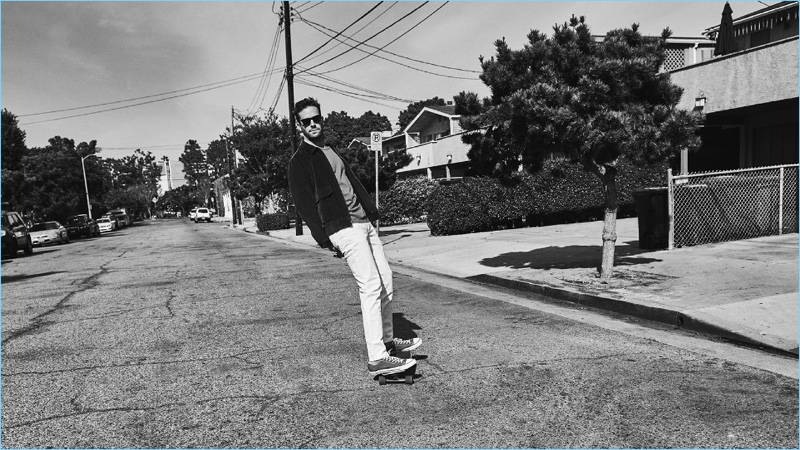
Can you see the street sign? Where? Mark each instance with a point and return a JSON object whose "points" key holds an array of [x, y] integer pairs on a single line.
{"points": [[375, 138]]}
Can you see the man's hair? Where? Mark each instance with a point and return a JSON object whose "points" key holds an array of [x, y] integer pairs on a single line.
{"points": [[305, 103]]}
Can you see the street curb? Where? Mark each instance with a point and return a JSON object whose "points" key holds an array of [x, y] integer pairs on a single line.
{"points": [[651, 313], [665, 316]]}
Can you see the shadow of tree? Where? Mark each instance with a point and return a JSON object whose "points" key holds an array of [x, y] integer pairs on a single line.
{"points": [[12, 278], [568, 257]]}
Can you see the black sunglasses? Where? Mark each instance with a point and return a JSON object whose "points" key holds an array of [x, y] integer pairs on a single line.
{"points": [[306, 122]]}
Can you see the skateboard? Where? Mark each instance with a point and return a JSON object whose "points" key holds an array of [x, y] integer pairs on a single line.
{"points": [[406, 376]]}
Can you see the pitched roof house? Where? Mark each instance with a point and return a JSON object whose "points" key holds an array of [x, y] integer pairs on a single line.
{"points": [[433, 139]]}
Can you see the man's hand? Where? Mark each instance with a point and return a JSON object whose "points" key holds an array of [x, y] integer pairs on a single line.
{"points": [[336, 252]]}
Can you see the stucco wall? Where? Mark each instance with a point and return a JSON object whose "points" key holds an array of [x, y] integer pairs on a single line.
{"points": [[748, 78]]}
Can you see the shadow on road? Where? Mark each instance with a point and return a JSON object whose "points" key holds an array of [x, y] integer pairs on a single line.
{"points": [[404, 328], [13, 278]]}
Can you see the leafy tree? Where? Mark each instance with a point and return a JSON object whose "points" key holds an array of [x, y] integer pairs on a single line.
{"points": [[194, 162], [341, 129], [182, 199], [196, 168], [54, 186], [593, 101], [468, 104], [265, 146], [13, 142], [135, 183], [413, 109], [362, 161], [217, 158], [13, 150]]}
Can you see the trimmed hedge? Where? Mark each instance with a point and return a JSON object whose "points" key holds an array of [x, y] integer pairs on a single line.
{"points": [[561, 192], [404, 202], [278, 221]]}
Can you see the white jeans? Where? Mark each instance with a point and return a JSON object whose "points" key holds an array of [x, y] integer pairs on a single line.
{"points": [[363, 252]]}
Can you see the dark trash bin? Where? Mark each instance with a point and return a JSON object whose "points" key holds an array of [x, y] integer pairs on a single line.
{"points": [[653, 217]]}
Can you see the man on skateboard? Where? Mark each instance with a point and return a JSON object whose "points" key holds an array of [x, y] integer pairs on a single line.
{"points": [[340, 215]]}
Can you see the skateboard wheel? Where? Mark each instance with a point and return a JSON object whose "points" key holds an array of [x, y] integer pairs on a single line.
{"points": [[409, 379], [381, 380]]}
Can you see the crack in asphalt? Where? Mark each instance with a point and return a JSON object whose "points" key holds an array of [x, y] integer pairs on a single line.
{"points": [[39, 321], [87, 411], [168, 305]]}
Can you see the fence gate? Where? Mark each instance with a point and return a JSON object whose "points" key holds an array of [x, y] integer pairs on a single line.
{"points": [[731, 205]]}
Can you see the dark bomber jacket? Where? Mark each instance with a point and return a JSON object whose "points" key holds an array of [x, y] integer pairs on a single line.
{"points": [[317, 195]]}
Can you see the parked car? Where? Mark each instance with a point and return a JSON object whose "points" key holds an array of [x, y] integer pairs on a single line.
{"points": [[82, 225], [193, 213], [15, 234], [202, 214], [114, 222], [105, 224], [47, 233], [122, 217]]}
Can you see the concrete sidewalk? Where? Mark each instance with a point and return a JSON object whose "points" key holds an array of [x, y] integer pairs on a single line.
{"points": [[744, 290]]}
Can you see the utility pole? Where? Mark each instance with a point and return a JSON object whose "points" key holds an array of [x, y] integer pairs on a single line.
{"points": [[228, 151], [237, 205], [86, 185], [287, 20]]}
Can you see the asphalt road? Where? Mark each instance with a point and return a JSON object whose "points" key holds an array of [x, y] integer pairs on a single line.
{"points": [[175, 334]]}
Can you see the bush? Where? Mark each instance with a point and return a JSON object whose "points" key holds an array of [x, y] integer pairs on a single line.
{"points": [[561, 192], [475, 204], [404, 202], [278, 221]]}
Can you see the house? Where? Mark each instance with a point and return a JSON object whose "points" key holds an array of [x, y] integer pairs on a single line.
{"points": [[433, 140], [359, 143], [748, 93]]}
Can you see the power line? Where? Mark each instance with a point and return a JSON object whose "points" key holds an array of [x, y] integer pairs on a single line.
{"points": [[220, 85], [278, 94], [369, 38], [339, 42], [401, 64], [243, 78], [332, 89], [263, 86], [344, 93], [315, 25], [310, 7], [147, 147], [353, 86], [337, 34], [390, 42]]}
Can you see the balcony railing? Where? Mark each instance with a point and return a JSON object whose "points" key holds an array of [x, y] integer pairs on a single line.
{"points": [[447, 150]]}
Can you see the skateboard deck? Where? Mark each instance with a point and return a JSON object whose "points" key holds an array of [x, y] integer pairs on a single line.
{"points": [[407, 376]]}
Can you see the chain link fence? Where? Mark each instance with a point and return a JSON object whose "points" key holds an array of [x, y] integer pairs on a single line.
{"points": [[732, 205]]}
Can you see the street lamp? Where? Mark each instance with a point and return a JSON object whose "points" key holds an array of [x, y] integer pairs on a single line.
{"points": [[85, 185]]}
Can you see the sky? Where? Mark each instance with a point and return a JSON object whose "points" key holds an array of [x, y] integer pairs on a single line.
{"points": [[153, 75]]}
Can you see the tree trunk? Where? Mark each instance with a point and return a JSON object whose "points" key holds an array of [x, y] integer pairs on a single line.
{"points": [[609, 178]]}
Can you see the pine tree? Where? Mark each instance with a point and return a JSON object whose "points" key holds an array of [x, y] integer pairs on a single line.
{"points": [[593, 100]]}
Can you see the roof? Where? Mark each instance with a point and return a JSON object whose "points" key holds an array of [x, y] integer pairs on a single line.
{"points": [[761, 12], [439, 110], [447, 109], [359, 140]]}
